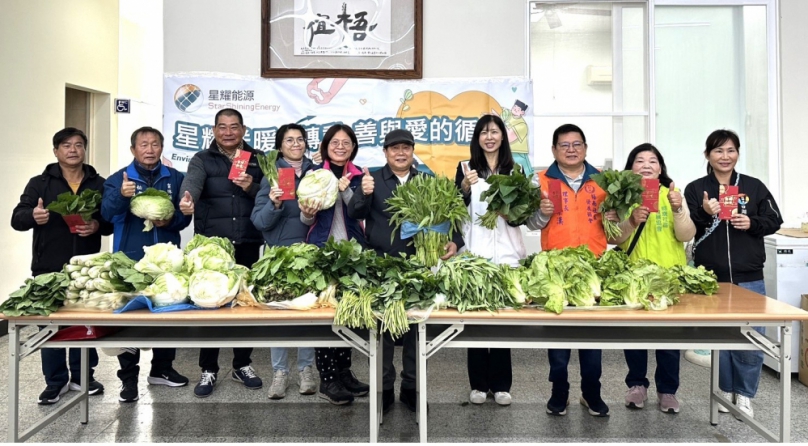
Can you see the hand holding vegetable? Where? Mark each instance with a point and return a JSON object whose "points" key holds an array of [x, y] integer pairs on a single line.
{"points": [[344, 182], [244, 181], [309, 208], [710, 205], [187, 204], [675, 198], [274, 196], [89, 229], [639, 215], [546, 205], [451, 250], [367, 182], [41, 215], [127, 187]]}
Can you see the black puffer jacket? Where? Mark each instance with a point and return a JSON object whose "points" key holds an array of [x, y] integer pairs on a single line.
{"points": [[220, 207], [54, 244]]}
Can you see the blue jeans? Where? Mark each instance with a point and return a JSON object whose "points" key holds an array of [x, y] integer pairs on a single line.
{"points": [[666, 376], [590, 361], [739, 370], [280, 358]]}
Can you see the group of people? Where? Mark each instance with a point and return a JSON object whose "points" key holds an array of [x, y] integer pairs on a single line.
{"points": [[248, 211]]}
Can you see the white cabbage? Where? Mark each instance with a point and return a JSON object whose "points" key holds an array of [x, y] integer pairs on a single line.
{"points": [[319, 186]]}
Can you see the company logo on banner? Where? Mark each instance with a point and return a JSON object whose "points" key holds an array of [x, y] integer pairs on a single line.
{"points": [[440, 114]]}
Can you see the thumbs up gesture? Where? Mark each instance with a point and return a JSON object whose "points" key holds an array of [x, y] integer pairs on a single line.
{"points": [[367, 182], [710, 205], [187, 204], [470, 177], [546, 205], [127, 187], [41, 215], [675, 198], [345, 181]]}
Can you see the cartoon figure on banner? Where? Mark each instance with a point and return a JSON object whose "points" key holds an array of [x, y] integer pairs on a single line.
{"points": [[314, 91], [517, 129]]}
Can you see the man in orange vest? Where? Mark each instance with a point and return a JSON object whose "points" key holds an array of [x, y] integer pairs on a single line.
{"points": [[576, 223]]}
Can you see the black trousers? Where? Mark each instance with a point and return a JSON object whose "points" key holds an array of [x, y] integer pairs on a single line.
{"points": [[490, 369], [162, 358], [246, 254], [408, 360], [331, 361]]}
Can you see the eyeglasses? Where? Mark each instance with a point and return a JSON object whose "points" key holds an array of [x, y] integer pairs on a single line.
{"points": [[293, 141], [344, 143], [577, 146]]}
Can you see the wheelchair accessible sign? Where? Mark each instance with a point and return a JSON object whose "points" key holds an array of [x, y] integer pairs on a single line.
{"points": [[123, 105]]}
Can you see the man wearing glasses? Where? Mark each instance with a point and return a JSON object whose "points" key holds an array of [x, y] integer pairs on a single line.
{"points": [[572, 221], [370, 205], [222, 207]]}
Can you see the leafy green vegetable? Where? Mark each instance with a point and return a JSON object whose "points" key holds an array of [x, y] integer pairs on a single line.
{"points": [[268, 166], [611, 263], [41, 295], [168, 289], [152, 205], [512, 196], [355, 310], [623, 190], [470, 282], [427, 201], [209, 257], [286, 272], [200, 240], [85, 204], [696, 280], [161, 258], [212, 289]]}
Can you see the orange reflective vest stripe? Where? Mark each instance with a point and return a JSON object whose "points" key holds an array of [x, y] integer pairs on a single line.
{"points": [[579, 222]]}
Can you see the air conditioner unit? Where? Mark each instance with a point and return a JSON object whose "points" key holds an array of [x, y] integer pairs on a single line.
{"points": [[598, 75]]}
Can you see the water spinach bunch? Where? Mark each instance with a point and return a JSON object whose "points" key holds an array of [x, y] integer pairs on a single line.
{"points": [[623, 190]]}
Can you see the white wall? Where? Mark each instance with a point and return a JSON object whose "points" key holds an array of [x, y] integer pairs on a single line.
{"points": [[44, 46]]}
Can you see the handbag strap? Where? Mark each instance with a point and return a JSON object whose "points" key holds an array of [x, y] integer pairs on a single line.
{"points": [[635, 239]]}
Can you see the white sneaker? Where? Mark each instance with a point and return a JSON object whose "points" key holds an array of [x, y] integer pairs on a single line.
{"points": [[477, 397], [744, 405], [308, 385], [503, 398], [729, 396], [279, 383]]}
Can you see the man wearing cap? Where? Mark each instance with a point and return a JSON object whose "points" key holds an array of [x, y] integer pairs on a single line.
{"points": [[370, 206]]}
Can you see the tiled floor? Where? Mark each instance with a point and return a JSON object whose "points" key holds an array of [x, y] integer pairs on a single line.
{"points": [[235, 414]]}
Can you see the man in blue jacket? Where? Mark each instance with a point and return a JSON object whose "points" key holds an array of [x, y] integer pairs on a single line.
{"points": [[145, 171]]}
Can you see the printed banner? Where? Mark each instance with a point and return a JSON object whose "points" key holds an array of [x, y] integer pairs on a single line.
{"points": [[346, 28], [440, 114]]}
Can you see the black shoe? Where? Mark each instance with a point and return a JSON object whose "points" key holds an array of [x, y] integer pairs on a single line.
{"points": [[388, 398], [95, 387], [596, 406], [246, 375], [407, 396], [335, 393], [168, 378], [353, 385], [51, 394], [205, 385], [558, 402], [129, 393]]}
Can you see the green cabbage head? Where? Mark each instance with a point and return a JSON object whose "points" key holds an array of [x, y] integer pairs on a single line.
{"points": [[152, 205], [212, 289], [319, 186], [209, 257], [168, 289], [161, 258]]}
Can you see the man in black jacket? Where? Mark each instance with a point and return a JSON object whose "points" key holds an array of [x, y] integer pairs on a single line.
{"points": [[222, 207], [370, 205], [54, 244]]}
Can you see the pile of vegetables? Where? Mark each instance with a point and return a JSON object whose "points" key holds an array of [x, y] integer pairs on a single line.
{"points": [[433, 208], [152, 205], [623, 190], [100, 281], [512, 196], [470, 282], [319, 187], [286, 272], [268, 167], [39, 296], [84, 204]]}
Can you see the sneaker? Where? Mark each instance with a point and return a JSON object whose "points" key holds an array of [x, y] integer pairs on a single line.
{"points": [[477, 397], [596, 406], [699, 357], [668, 403], [408, 397], [744, 405], [636, 397], [205, 385], [335, 393], [96, 388], [353, 385], [730, 397], [557, 404], [129, 393], [246, 375], [51, 394], [168, 378], [503, 398], [279, 383], [388, 398], [306, 381]]}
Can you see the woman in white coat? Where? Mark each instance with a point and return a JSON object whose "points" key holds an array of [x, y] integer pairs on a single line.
{"points": [[489, 369]]}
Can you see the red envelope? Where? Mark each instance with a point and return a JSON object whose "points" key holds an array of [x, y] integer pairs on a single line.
{"points": [[239, 164], [81, 332], [728, 200], [286, 181], [650, 196], [73, 222], [555, 196]]}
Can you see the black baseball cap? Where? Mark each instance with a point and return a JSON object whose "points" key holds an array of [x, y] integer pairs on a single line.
{"points": [[399, 136]]}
